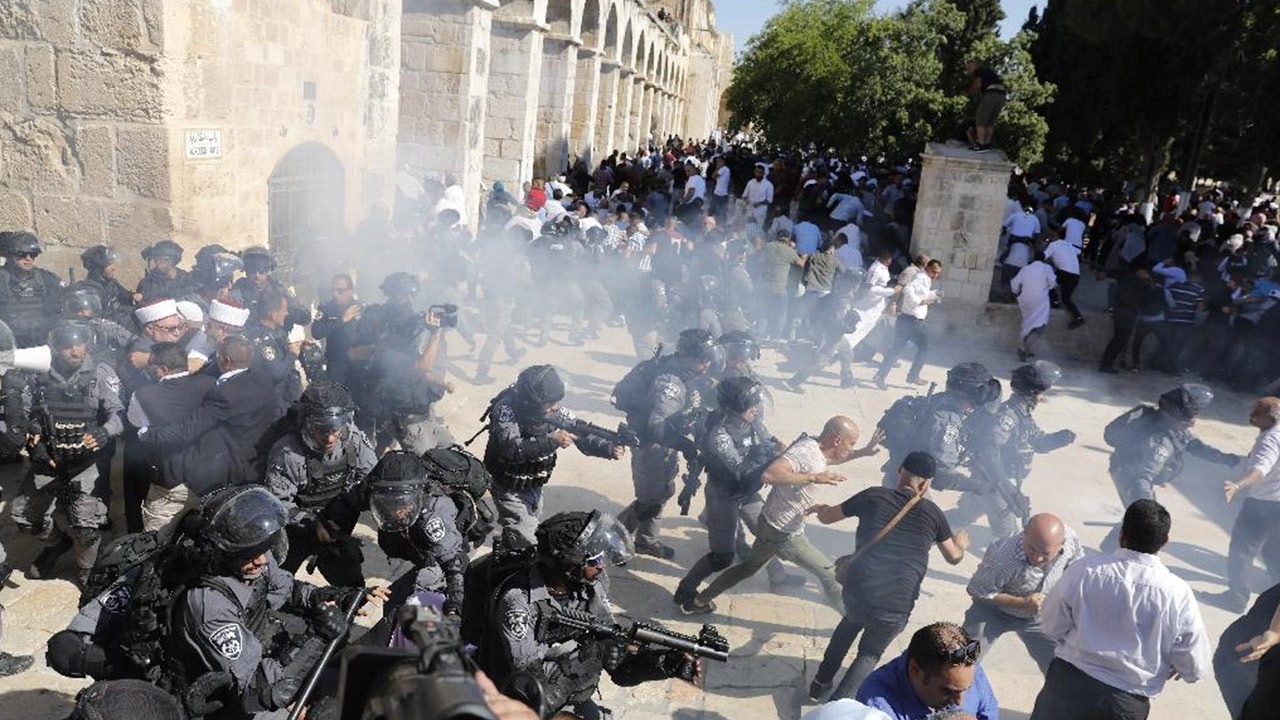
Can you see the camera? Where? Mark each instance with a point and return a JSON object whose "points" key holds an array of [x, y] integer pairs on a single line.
{"points": [[448, 314], [433, 681]]}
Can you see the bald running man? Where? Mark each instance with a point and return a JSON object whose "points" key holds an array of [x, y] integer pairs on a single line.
{"points": [[1016, 573], [780, 531]]}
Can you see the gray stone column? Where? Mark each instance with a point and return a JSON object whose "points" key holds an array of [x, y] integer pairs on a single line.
{"points": [[515, 71], [637, 112], [606, 125], [586, 106], [444, 90], [556, 98], [622, 123], [958, 217]]}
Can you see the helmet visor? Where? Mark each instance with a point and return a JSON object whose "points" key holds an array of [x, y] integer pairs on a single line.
{"points": [[395, 507], [70, 335], [605, 537], [248, 524]]}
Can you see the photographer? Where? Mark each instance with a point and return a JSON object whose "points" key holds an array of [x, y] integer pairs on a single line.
{"points": [[573, 549]]}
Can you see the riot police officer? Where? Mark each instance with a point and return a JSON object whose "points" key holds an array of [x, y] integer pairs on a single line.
{"points": [[667, 410], [522, 446], [937, 427], [416, 521], [212, 277], [274, 354], [505, 274], [1150, 442], [258, 268], [30, 297], [406, 385], [573, 549], [741, 352], [99, 264], [314, 469], [83, 304], [231, 621], [13, 436], [75, 412], [736, 448], [164, 279], [1000, 447]]}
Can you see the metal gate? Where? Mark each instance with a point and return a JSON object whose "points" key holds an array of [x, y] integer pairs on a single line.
{"points": [[305, 208]]}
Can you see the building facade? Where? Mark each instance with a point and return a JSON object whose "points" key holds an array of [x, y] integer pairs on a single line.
{"points": [[278, 122]]}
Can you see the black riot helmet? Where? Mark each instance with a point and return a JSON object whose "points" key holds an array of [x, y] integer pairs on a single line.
{"points": [[208, 251], [537, 387], [970, 379], [739, 394], [69, 334], [79, 300], [398, 490], [697, 345], [98, 258], [219, 268], [1035, 378], [570, 540], [246, 522], [399, 285], [739, 347], [17, 243], [257, 259], [1185, 402], [164, 250], [323, 408]]}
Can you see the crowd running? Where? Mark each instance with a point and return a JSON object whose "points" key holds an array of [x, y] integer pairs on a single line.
{"points": [[256, 431]]}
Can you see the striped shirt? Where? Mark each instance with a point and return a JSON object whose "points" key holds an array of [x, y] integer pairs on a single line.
{"points": [[1184, 299], [1004, 569]]}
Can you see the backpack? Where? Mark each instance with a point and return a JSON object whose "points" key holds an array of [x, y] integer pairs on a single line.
{"points": [[631, 394], [162, 571], [1127, 426], [463, 478], [483, 583], [901, 421]]}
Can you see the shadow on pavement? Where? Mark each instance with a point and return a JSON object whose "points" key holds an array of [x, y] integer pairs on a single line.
{"points": [[36, 705]]}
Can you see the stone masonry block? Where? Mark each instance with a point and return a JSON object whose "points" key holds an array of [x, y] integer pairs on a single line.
{"points": [[11, 95], [413, 56], [137, 224], [97, 155], [68, 220], [111, 23], [142, 161], [57, 20], [446, 59], [153, 21], [18, 21], [35, 155], [15, 211], [124, 87], [42, 89]]}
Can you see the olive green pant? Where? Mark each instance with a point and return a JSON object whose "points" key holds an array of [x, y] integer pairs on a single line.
{"points": [[771, 543]]}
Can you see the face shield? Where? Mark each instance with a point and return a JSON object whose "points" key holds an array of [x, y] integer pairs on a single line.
{"points": [[319, 427], [605, 540], [249, 524], [396, 506]]}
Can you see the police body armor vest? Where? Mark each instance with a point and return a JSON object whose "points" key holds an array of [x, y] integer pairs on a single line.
{"points": [[327, 479], [72, 408], [519, 474], [22, 305]]}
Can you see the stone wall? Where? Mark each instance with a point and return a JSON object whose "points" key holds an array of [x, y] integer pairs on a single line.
{"points": [[83, 149]]}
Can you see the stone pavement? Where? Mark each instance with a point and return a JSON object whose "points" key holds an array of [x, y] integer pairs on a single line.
{"points": [[778, 641]]}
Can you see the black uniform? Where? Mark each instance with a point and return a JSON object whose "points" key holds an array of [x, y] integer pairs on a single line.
{"points": [[29, 304], [274, 360], [157, 285]]}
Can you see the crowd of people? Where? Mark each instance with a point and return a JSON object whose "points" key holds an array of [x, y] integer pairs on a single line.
{"points": [[255, 433]]}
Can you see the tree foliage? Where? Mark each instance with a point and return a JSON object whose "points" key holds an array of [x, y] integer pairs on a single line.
{"points": [[834, 73]]}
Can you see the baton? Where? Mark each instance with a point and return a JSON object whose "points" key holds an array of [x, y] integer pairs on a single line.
{"points": [[300, 705]]}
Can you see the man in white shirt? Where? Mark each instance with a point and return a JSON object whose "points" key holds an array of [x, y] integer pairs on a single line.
{"points": [[1031, 286], [758, 195], [1065, 259], [695, 197], [917, 296], [1257, 528], [1123, 625], [780, 530], [720, 193]]}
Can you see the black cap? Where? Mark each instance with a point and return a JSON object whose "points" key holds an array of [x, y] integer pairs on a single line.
{"points": [[921, 464], [540, 385]]}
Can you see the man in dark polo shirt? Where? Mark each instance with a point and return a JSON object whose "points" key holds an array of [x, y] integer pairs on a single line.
{"points": [[881, 584]]}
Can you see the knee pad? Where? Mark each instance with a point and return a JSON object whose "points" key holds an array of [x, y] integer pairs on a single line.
{"points": [[648, 512], [720, 561], [85, 535], [74, 655]]}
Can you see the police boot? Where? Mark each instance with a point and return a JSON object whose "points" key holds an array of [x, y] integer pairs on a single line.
{"points": [[655, 548], [46, 562]]}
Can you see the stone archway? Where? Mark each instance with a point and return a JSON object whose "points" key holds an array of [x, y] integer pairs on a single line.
{"points": [[305, 196]]}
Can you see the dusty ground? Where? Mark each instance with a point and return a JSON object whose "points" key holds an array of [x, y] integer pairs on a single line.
{"points": [[778, 641]]}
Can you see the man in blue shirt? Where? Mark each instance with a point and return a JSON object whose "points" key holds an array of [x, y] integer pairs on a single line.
{"points": [[939, 671]]}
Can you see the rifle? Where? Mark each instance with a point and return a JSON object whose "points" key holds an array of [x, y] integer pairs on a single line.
{"points": [[1018, 503], [692, 480], [624, 436], [349, 617], [709, 643]]}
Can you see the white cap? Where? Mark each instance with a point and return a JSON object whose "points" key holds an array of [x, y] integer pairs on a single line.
{"points": [[190, 311], [227, 314], [157, 310]]}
